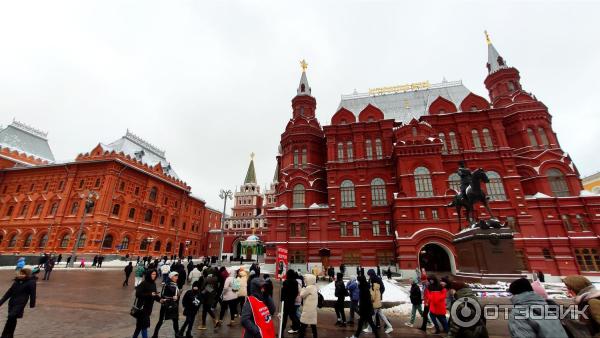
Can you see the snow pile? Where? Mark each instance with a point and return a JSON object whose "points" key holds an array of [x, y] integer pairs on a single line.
{"points": [[393, 292]]}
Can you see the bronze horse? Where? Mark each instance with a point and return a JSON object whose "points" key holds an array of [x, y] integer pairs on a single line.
{"points": [[473, 194]]}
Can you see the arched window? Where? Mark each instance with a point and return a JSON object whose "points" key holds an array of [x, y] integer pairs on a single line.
{"points": [[476, 140], [414, 131], [487, 138], [304, 157], [531, 135], [97, 183], [125, 243], [543, 136], [116, 209], [453, 142], [298, 196], [162, 219], [369, 149], [53, 209], [495, 188], [340, 151], [378, 149], [43, 240], [378, 194], [169, 247], [511, 86], [347, 194], [108, 242], [64, 241], [349, 151], [423, 182], [444, 147], [13, 241], [157, 246], [454, 182], [38, 209], [153, 193], [131, 213], [81, 241], [148, 216], [74, 208], [28, 240], [144, 245], [121, 186], [558, 183], [9, 211]]}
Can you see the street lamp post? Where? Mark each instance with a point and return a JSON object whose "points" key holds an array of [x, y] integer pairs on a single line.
{"points": [[89, 203], [224, 194], [103, 238]]}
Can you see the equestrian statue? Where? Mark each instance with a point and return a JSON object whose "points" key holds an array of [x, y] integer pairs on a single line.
{"points": [[470, 194]]}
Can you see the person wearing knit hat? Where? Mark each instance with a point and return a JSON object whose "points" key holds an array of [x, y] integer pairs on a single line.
{"points": [[461, 292], [585, 294], [21, 291], [169, 309], [527, 303]]}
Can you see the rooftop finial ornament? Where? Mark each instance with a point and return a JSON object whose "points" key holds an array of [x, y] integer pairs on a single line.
{"points": [[487, 38], [304, 65], [252, 155]]}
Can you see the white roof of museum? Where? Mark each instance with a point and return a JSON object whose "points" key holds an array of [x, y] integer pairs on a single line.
{"points": [[26, 139], [138, 148], [406, 103]]}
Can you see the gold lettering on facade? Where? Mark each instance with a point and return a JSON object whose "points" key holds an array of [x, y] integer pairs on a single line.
{"points": [[400, 88]]}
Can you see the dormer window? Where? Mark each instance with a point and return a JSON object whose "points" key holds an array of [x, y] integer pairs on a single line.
{"points": [[442, 111], [301, 111], [500, 61], [302, 88], [511, 86], [473, 108], [343, 121]]}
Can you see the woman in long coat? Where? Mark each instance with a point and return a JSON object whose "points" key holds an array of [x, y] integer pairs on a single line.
{"points": [[146, 295], [310, 297], [21, 291]]}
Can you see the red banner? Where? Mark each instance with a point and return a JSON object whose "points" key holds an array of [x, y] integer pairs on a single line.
{"points": [[281, 262]]}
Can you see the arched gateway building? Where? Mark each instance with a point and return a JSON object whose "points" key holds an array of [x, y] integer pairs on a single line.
{"points": [[143, 208], [371, 187]]}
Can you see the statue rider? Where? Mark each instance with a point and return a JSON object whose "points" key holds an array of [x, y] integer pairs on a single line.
{"points": [[465, 180]]}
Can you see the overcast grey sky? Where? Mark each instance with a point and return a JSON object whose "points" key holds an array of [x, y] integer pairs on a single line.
{"points": [[211, 81]]}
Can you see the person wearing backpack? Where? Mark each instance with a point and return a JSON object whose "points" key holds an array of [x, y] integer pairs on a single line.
{"points": [[365, 308], [310, 299], [352, 288], [191, 304], [229, 299], [341, 293], [526, 302], [478, 330]]}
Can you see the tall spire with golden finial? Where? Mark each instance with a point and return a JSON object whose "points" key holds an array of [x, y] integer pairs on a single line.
{"points": [[303, 87], [495, 61], [251, 173]]}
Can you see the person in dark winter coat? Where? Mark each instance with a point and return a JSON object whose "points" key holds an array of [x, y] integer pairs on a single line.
{"points": [[182, 276], [289, 292], [146, 295], [21, 291], [191, 304], [389, 273], [340, 293], [209, 296], [331, 273], [128, 269], [48, 267], [365, 308], [526, 301], [59, 259], [169, 297], [416, 300], [257, 290], [268, 285], [352, 287], [373, 278]]}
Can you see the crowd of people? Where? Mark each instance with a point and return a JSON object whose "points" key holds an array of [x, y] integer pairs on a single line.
{"points": [[248, 295]]}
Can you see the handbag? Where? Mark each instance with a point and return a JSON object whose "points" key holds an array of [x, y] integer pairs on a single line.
{"points": [[136, 311], [172, 307]]}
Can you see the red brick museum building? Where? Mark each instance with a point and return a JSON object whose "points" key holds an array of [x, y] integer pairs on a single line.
{"points": [[143, 208], [371, 187]]}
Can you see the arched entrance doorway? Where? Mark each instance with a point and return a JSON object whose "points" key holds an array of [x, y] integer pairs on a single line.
{"points": [[435, 258]]}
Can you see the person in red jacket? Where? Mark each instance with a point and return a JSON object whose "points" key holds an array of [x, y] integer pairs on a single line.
{"points": [[436, 297]]}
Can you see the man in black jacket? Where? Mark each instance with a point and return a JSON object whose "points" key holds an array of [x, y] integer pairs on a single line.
{"points": [[289, 292], [21, 291]]}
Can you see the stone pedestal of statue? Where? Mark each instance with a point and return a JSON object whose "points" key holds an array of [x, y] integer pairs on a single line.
{"points": [[486, 255]]}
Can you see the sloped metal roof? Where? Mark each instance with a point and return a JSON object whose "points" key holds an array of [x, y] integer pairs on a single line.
{"points": [[136, 147], [25, 139], [404, 106]]}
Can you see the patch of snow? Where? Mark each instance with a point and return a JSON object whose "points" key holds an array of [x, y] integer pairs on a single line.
{"points": [[587, 193], [281, 207], [393, 292], [538, 195]]}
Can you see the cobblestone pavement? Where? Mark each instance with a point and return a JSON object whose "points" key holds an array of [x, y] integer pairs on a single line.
{"points": [[94, 304]]}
